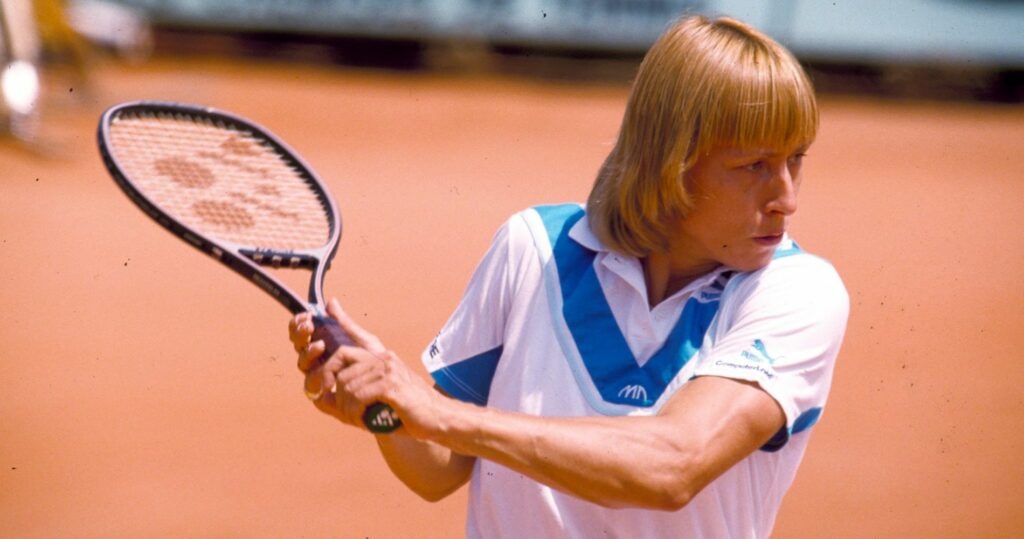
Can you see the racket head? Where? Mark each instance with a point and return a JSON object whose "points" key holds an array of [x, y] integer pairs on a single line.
{"points": [[228, 187]]}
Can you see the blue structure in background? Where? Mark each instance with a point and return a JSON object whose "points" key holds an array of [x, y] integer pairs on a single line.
{"points": [[982, 32]]}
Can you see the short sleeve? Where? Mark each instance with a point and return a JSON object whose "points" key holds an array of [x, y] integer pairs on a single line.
{"points": [[781, 327], [464, 356]]}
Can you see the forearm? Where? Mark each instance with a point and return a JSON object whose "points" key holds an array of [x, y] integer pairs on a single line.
{"points": [[658, 462], [615, 462], [430, 470]]}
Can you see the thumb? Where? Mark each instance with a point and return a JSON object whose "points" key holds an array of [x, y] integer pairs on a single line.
{"points": [[361, 336]]}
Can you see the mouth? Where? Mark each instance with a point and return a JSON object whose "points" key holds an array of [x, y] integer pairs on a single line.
{"points": [[768, 240]]}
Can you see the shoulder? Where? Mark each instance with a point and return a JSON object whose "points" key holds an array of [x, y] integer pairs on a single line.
{"points": [[515, 233], [553, 218], [543, 225], [795, 281], [527, 238]]}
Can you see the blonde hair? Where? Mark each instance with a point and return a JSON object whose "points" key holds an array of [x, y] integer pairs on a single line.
{"points": [[703, 83]]}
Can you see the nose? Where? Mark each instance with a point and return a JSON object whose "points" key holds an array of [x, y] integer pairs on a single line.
{"points": [[782, 193]]}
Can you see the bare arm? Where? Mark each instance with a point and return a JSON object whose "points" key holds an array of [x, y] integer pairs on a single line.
{"points": [[654, 462], [651, 462], [430, 470]]}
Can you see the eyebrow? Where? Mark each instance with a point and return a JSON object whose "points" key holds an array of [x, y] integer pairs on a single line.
{"points": [[762, 152]]}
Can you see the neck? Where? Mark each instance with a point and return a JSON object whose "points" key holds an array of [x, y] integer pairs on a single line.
{"points": [[663, 278]]}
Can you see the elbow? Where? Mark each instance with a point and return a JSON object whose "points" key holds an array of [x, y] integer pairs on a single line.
{"points": [[678, 500], [674, 485], [433, 482], [431, 493], [668, 494], [664, 487], [432, 497], [434, 488], [672, 497]]}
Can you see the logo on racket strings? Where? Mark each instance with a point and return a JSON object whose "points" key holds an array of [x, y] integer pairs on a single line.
{"points": [[236, 214]]}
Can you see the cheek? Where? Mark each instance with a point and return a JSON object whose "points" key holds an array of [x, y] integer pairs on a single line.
{"points": [[723, 216], [721, 229], [736, 212]]}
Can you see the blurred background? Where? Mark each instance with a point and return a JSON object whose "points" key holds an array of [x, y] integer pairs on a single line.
{"points": [[932, 49], [148, 393], [909, 48]]}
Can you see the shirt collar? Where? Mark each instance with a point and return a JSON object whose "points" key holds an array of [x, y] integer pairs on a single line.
{"points": [[582, 234]]}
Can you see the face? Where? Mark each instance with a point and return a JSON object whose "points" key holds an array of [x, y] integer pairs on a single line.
{"points": [[743, 199]]}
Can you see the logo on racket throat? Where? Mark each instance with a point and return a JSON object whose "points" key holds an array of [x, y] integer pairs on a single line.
{"points": [[265, 285], [278, 259]]}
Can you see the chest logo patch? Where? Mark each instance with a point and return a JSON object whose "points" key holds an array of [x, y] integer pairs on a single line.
{"points": [[633, 392]]}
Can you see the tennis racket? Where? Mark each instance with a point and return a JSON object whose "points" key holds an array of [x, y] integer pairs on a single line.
{"points": [[233, 190]]}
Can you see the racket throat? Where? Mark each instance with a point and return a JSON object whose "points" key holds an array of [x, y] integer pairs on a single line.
{"points": [[289, 260], [280, 259]]}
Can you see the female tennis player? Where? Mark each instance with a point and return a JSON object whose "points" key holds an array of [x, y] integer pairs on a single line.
{"points": [[647, 365]]}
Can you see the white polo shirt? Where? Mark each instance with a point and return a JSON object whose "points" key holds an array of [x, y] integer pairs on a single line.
{"points": [[554, 324]]}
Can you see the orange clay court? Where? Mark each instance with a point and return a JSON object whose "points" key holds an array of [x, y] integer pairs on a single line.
{"points": [[149, 392]]}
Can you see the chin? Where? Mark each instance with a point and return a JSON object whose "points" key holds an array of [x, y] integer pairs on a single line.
{"points": [[751, 264]]}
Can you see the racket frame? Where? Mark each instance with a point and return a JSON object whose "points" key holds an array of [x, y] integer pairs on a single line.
{"points": [[244, 260]]}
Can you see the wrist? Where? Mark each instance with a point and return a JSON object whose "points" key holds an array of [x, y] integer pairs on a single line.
{"points": [[454, 419]]}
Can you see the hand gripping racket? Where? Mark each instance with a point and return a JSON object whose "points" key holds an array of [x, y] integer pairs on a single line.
{"points": [[236, 192]]}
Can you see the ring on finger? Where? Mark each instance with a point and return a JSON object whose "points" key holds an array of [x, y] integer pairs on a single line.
{"points": [[314, 396]]}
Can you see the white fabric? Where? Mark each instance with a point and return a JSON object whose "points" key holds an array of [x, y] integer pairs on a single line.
{"points": [[795, 309]]}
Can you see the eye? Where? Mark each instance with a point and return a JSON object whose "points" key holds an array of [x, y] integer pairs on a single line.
{"points": [[797, 158], [756, 166]]}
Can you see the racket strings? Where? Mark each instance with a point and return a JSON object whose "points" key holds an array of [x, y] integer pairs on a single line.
{"points": [[221, 180]]}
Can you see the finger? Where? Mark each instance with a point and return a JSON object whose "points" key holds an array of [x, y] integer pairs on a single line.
{"points": [[328, 372], [298, 322], [351, 356], [372, 390], [361, 336], [300, 330], [354, 377], [320, 381], [352, 364], [330, 405], [313, 386], [299, 344], [365, 387], [309, 356], [342, 407]]}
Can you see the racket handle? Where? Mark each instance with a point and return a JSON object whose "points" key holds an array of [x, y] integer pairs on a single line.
{"points": [[378, 417], [327, 329]]}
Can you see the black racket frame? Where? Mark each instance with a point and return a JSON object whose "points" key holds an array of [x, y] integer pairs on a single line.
{"points": [[248, 265], [378, 417]]}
